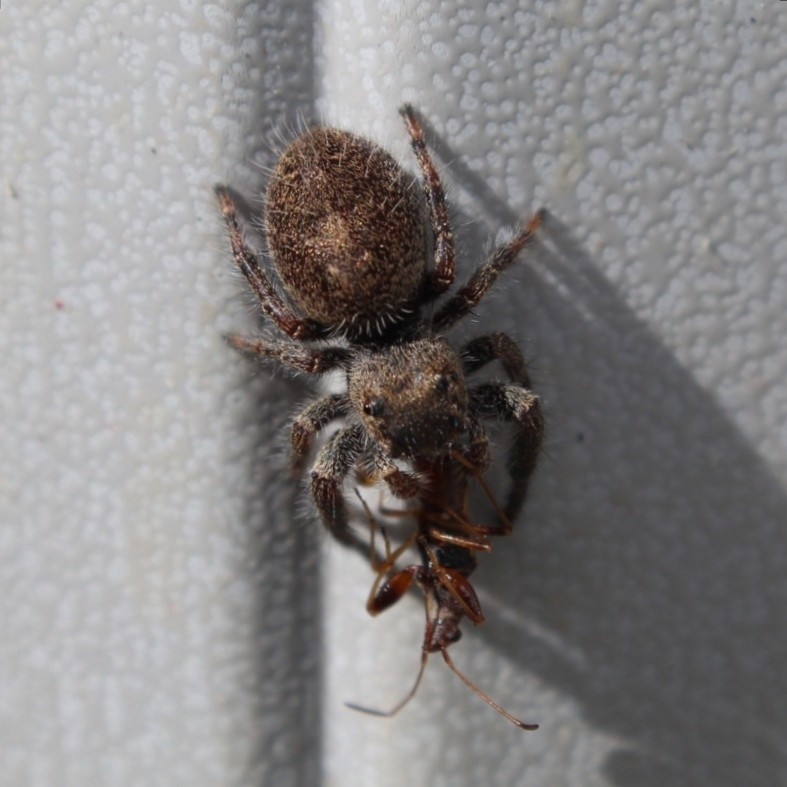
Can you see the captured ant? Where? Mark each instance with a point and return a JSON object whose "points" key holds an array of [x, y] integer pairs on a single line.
{"points": [[345, 232], [447, 542]]}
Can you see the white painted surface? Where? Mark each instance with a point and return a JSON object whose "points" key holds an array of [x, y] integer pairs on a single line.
{"points": [[163, 605]]}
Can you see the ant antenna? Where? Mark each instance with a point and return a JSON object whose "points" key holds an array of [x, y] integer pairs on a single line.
{"points": [[485, 697], [469, 683], [506, 526], [399, 705]]}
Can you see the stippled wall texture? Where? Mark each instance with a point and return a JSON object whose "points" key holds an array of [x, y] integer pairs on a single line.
{"points": [[171, 614]]}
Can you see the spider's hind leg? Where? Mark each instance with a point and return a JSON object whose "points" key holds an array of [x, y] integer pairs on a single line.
{"points": [[478, 285], [271, 302], [441, 277]]}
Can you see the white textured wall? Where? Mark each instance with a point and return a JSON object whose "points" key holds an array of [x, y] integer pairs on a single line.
{"points": [[168, 617]]}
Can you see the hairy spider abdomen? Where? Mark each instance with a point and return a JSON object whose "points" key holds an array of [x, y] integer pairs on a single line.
{"points": [[345, 228]]}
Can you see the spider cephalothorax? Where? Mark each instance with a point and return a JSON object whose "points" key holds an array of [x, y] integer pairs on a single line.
{"points": [[411, 398]]}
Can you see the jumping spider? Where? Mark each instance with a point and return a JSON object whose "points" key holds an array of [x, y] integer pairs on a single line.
{"points": [[345, 230]]}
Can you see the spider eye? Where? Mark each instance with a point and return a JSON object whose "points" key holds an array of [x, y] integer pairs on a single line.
{"points": [[375, 408], [445, 381]]}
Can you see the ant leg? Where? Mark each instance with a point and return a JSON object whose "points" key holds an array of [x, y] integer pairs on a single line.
{"points": [[495, 346], [302, 359], [330, 469], [270, 301], [441, 277], [398, 584], [481, 532], [382, 566], [419, 677], [310, 421], [468, 296], [513, 403]]}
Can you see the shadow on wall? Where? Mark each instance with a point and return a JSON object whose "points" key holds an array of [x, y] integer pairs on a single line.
{"points": [[287, 688], [655, 547]]}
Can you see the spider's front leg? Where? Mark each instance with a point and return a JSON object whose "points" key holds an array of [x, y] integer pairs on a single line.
{"points": [[522, 406], [478, 449], [334, 462], [271, 302], [310, 421]]}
